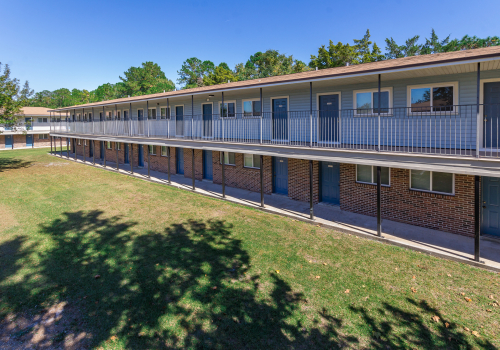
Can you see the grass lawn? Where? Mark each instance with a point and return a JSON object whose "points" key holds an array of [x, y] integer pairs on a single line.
{"points": [[94, 259]]}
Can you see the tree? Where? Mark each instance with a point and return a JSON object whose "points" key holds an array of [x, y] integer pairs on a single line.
{"points": [[434, 45], [471, 42], [220, 75], [341, 54], [193, 71], [147, 79], [410, 48], [12, 97], [268, 64]]}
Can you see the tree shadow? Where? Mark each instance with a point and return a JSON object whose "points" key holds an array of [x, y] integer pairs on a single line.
{"points": [[12, 164], [189, 286]]}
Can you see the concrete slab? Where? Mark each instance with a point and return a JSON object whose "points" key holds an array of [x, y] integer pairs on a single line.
{"points": [[433, 242]]}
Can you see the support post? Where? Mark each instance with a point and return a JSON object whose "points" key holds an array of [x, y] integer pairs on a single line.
{"points": [[168, 163], [105, 149], [167, 118], [83, 158], [50, 143], [379, 93], [60, 143], [192, 167], [147, 117], [74, 143], [93, 125], [311, 117], [311, 190], [130, 118], [131, 158], [67, 147], [477, 218], [261, 178], [479, 121], [379, 218], [93, 149], [223, 173], [149, 162], [261, 128], [117, 161], [33, 141]]}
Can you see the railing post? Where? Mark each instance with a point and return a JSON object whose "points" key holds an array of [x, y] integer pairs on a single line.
{"points": [[379, 79], [479, 121]]}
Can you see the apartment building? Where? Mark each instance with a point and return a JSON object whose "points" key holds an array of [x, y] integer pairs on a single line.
{"points": [[414, 140]]}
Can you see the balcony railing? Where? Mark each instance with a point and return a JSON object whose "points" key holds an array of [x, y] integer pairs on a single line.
{"points": [[443, 130]]}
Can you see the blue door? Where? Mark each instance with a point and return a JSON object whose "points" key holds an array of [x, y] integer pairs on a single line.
{"points": [[330, 183], [179, 152], [140, 122], [179, 121], [102, 150], [141, 155], [29, 140], [280, 175], [8, 141], [207, 120], [208, 172], [490, 223], [491, 114], [328, 118], [280, 119], [91, 148], [125, 150]]}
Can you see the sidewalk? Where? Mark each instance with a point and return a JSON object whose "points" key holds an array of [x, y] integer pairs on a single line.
{"points": [[437, 243]]}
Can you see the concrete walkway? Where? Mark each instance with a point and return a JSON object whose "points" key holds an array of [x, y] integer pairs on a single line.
{"points": [[437, 243]]}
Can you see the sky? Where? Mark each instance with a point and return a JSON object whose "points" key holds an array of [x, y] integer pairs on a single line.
{"points": [[83, 44]]}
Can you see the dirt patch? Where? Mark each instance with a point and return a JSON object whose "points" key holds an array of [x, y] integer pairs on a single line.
{"points": [[56, 164], [54, 328], [8, 219]]}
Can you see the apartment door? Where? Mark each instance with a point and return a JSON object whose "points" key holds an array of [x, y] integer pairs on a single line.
{"points": [[125, 155], [179, 152], [140, 121], [208, 172], [101, 149], [280, 118], [491, 114], [91, 148], [328, 118], [490, 223], [9, 142], [330, 182], [179, 121], [280, 175], [207, 120], [141, 155], [29, 140]]}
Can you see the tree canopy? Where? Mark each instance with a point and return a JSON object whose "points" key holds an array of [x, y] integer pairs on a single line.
{"points": [[148, 79], [193, 71], [12, 97]]}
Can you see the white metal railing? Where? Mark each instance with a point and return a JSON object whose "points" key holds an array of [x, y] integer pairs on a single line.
{"points": [[444, 130]]}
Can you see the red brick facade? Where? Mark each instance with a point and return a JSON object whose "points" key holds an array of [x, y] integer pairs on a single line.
{"points": [[240, 177], [198, 163], [160, 163], [19, 141], [453, 214], [299, 180]]}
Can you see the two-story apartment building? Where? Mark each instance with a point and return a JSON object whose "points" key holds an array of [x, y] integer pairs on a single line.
{"points": [[414, 140], [31, 130]]}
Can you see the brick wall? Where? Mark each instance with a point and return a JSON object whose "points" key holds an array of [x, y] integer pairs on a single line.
{"points": [[198, 163], [160, 163], [19, 141], [299, 180], [453, 214], [239, 176]]}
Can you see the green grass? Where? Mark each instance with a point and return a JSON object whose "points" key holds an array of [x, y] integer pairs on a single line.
{"points": [[179, 270]]}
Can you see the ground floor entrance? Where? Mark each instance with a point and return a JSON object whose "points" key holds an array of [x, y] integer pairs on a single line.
{"points": [[179, 152], [29, 140], [208, 172], [330, 183], [280, 175], [9, 141], [490, 222]]}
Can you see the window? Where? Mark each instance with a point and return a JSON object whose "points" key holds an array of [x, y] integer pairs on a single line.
{"points": [[79, 141], [229, 109], [43, 136], [151, 149], [118, 115], [368, 174], [109, 115], [152, 113], [125, 115], [117, 146], [165, 113], [108, 144], [164, 151], [42, 120], [366, 101], [433, 98], [85, 142], [228, 158], [432, 181], [252, 161], [251, 108]]}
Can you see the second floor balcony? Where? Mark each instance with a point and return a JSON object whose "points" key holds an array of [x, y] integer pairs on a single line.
{"points": [[458, 130]]}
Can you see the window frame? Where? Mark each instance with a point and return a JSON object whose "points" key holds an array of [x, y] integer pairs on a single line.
{"points": [[110, 115], [168, 113], [373, 113], [235, 109], [152, 147], [161, 151], [253, 161], [108, 145], [79, 142], [42, 120], [431, 191], [118, 115], [117, 146], [45, 136], [251, 100], [156, 113], [456, 95], [220, 158], [373, 179]]}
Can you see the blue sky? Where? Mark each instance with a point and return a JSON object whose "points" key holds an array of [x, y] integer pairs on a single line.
{"points": [[82, 44]]}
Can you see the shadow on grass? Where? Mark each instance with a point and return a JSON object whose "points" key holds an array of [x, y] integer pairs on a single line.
{"points": [[186, 287], [12, 164]]}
